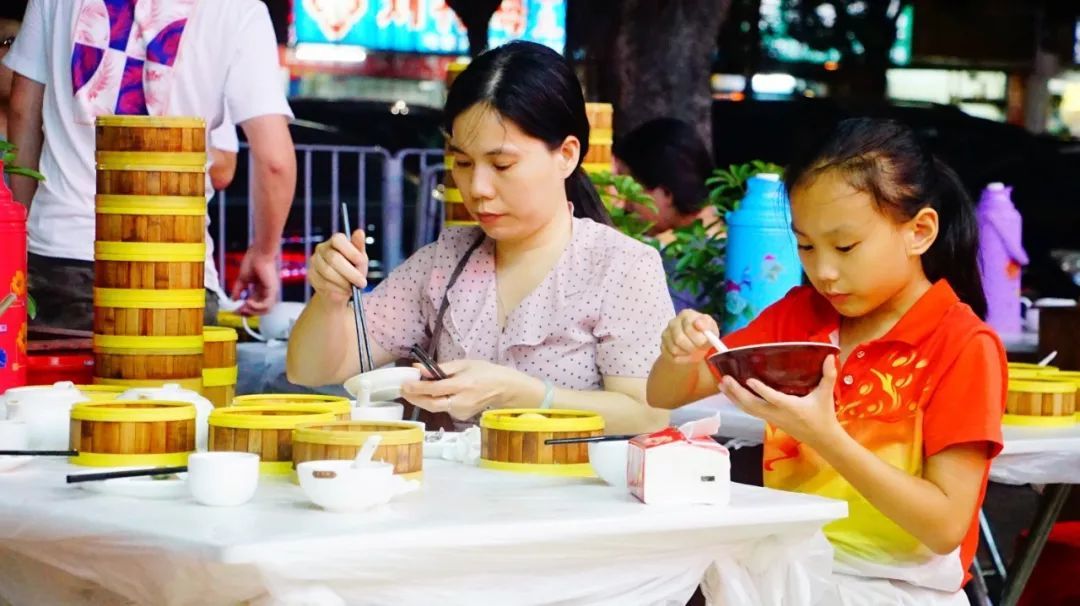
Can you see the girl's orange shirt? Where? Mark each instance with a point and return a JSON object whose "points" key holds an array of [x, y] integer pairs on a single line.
{"points": [[936, 379]]}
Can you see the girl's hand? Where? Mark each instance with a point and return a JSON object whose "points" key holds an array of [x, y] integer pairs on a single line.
{"points": [[684, 340], [472, 387], [810, 419], [337, 265]]}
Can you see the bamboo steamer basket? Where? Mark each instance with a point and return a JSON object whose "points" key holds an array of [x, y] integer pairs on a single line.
{"points": [[1041, 402], [455, 213], [1071, 376], [341, 407], [101, 393], [513, 440], [1029, 366], [149, 248], [265, 430], [219, 365], [402, 443], [125, 384], [132, 433], [453, 70], [601, 137]]}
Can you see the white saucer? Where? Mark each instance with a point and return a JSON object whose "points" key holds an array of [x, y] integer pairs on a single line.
{"points": [[143, 487], [9, 463]]}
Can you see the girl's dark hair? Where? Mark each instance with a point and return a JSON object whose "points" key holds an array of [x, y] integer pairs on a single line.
{"points": [[885, 159], [668, 153], [535, 88]]}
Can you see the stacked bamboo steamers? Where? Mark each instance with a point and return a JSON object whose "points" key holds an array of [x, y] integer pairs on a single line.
{"points": [[454, 209], [149, 251], [1042, 396]]}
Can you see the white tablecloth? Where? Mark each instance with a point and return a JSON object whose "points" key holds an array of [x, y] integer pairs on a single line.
{"points": [[469, 536], [1030, 455]]}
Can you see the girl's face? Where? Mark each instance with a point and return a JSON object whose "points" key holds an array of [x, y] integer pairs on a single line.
{"points": [[511, 183], [855, 254]]}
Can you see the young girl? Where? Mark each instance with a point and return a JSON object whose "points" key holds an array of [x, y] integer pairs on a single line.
{"points": [[543, 305], [904, 425]]}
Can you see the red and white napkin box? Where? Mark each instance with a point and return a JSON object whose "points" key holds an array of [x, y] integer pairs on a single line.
{"points": [[680, 466]]}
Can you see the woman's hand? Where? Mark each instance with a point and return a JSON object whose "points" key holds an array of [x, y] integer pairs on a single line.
{"points": [[337, 265], [684, 340], [809, 419], [472, 387]]}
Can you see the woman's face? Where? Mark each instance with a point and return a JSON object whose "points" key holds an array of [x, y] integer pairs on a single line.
{"points": [[511, 183], [663, 215]]}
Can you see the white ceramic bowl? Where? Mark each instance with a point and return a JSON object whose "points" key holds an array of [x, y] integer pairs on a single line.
{"points": [[338, 486], [381, 385], [608, 459], [223, 479], [378, 411], [14, 435]]}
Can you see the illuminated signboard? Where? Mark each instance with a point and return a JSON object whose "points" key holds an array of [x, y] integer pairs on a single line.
{"points": [[423, 26], [782, 44]]}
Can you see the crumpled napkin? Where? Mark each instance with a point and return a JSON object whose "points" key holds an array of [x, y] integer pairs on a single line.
{"points": [[463, 447]]}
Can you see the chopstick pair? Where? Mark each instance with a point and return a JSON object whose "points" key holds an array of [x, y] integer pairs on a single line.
{"points": [[39, 453], [366, 363], [128, 473], [612, 438], [431, 365]]}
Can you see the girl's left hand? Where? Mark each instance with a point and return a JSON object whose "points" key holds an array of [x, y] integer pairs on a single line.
{"points": [[809, 419], [471, 387]]}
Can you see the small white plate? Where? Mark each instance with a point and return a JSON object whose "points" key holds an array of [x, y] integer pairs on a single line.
{"points": [[9, 463], [143, 487]]}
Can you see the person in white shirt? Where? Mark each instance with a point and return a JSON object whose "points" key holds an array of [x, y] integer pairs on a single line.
{"points": [[77, 59]]}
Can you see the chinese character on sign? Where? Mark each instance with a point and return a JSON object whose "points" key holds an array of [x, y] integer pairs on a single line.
{"points": [[511, 18], [547, 22], [336, 17], [402, 12], [445, 18]]}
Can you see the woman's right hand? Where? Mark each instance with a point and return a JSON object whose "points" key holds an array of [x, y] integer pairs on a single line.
{"points": [[684, 340], [337, 265]]}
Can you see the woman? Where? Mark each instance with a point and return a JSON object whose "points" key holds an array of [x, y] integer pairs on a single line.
{"points": [[544, 305]]}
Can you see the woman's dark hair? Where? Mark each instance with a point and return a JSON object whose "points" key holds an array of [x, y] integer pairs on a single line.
{"points": [[885, 159], [668, 153], [535, 88]]}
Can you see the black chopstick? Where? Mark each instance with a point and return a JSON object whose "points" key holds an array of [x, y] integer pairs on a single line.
{"points": [[366, 363], [38, 453], [612, 438], [129, 473], [431, 365]]}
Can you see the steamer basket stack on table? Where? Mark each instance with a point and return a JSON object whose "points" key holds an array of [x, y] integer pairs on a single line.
{"points": [[454, 211], [1041, 396], [601, 137]]}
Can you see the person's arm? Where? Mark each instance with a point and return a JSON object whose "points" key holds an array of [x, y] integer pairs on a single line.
{"points": [[476, 385], [274, 180], [622, 403], [323, 343], [222, 168], [323, 347], [680, 375], [24, 131]]}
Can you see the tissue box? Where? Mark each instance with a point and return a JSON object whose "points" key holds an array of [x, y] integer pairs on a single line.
{"points": [[671, 467]]}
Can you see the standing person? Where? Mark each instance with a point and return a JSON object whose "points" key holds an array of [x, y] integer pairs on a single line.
{"points": [[543, 305], [9, 27], [76, 60], [904, 425]]}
